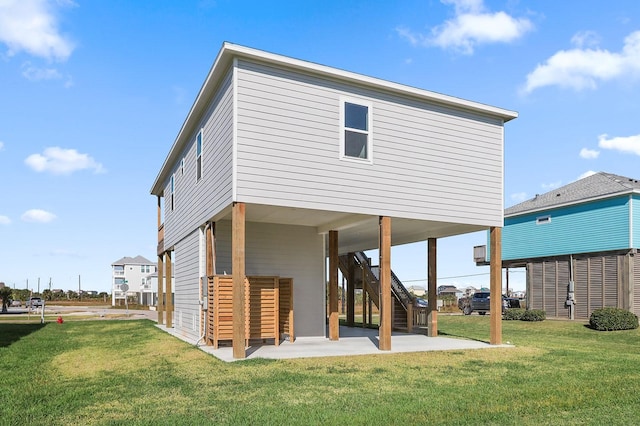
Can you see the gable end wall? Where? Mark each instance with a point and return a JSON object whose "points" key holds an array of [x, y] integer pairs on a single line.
{"points": [[429, 162]]}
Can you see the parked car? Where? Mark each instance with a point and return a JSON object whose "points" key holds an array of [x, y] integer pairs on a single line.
{"points": [[481, 301], [16, 303], [34, 302], [421, 303]]}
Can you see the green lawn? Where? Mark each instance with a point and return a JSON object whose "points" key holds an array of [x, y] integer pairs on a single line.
{"points": [[129, 372]]}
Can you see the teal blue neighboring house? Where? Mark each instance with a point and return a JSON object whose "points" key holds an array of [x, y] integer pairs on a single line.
{"points": [[586, 233]]}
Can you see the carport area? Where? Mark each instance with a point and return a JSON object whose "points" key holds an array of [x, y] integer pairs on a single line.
{"points": [[353, 341]]}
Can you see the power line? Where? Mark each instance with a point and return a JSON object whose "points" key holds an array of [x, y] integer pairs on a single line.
{"points": [[458, 276]]}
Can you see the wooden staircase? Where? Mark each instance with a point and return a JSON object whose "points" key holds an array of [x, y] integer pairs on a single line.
{"points": [[366, 278]]}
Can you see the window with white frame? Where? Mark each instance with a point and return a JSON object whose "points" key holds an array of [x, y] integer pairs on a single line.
{"points": [[199, 155], [172, 190], [356, 137]]}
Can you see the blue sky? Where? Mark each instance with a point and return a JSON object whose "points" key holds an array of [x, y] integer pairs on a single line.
{"points": [[92, 95]]}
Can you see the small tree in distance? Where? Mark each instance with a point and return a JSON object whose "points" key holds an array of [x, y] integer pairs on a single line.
{"points": [[5, 294]]}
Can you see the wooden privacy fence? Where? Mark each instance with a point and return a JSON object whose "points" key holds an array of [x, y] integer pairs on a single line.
{"points": [[268, 309]]}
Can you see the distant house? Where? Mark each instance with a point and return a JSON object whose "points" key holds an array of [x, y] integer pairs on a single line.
{"points": [[450, 290], [417, 290], [586, 233], [131, 271], [281, 164], [148, 293]]}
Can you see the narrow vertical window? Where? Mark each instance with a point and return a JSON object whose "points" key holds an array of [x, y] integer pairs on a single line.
{"points": [[356, 130], [182, 166], [199, 156], [172, 190]]}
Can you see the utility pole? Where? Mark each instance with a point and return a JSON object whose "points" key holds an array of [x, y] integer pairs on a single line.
{"points": [[38, 285], [49, 283], [79, 288]]}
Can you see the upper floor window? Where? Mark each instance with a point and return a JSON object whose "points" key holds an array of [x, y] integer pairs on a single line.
{"points": [[172, 189], [356, 138], [199, 155], [182, 166]]}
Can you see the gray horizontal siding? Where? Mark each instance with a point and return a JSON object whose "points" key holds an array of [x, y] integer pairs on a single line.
{"points": [[287, 251], [187, 286], [197, 201], [429, 162]]}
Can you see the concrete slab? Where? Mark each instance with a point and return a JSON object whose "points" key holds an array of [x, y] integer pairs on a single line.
{"points": [[353, 341]]}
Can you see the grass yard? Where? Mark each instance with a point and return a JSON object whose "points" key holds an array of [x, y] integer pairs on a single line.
{"points": [[129, 372]]}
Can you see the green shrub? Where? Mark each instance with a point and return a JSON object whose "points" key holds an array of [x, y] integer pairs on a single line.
{"points": [[534, 315], [513, 314], [608, 319]]}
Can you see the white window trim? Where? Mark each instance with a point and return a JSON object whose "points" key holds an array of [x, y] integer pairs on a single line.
{"points": [[369, 105], [201, 135], [172, 190]]}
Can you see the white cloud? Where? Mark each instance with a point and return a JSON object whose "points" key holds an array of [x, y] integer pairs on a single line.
{"points": [[472, 25], [4, 220], [589, 154], [580, 68], [37, 215], [1, 146], [59, 161], [519, 197], [550, 186], [36, 74], [629, 144], [32, 26], [586, 174], [585, 38]]}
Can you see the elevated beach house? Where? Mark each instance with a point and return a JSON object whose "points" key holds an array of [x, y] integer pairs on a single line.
{"points": [[285, 170], [579, 245]]}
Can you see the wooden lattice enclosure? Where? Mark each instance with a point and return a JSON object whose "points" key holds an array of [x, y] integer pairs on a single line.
{"points": [[268, 309]]}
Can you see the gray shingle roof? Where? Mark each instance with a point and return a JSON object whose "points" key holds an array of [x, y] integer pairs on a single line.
{"points": [[597, 185], [138, 260]]}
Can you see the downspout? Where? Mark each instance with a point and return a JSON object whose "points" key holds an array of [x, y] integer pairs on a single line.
{"points": [[203, 302]]}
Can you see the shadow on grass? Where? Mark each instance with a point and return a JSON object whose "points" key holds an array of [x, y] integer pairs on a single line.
{"points": [[10, 333], [444, 333]]}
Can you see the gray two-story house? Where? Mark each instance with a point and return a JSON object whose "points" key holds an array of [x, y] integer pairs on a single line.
{"points": [[282, 164]]}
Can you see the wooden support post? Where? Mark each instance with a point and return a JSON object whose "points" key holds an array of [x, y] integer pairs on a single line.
{"points": [[495, 287], [169, 300], [410, 317], [334, 324], [351, 291], [384, 332], [238, 273], [432, 291], [160, 302]]}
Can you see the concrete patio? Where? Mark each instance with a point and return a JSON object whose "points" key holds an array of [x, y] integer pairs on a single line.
{"points": [[353, 341]]}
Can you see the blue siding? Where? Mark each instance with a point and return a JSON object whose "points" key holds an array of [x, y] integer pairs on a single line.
{"points": [[591, 227], [635, 206]]}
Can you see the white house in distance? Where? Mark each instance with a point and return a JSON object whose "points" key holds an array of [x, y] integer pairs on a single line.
{"points": [[282, 163], [131, 271]]}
